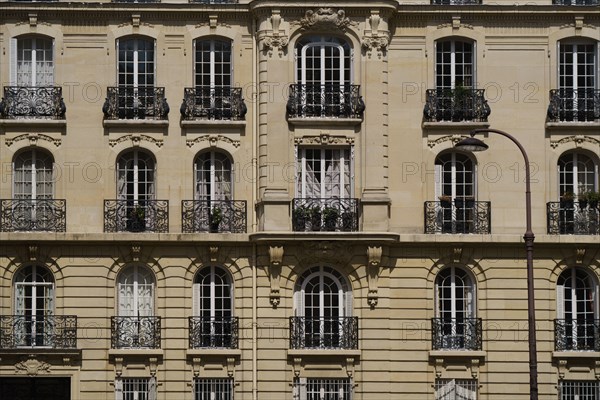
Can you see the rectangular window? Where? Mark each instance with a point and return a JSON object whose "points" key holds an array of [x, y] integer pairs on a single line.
{"points": [[135, 389], [324, 173], [213, 389], [579, 390], [322, 389], [455, 389]]}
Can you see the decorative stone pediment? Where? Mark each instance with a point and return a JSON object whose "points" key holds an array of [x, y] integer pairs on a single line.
{"points": [[213, 140], [136, 140], [32, 366], [33, 139], [448, 138], [579, 140], [325, 19]]}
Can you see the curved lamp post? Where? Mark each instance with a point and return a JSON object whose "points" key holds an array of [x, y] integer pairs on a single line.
{"points": [[473, 144]]}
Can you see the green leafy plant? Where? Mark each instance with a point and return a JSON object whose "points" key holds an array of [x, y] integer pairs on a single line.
{"points": [[215, 218], [330, 217]]}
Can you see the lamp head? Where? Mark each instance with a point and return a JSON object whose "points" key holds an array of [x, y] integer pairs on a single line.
{"points": [[471, 144]]}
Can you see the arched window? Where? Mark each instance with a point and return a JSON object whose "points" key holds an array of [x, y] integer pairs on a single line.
{"points": [[454, 64], [323, 310], [455, 325], [455, 176], [33, 175], [576, 311], [34, 306], [33, 63], [213, 174], [214, 325], [135, 176], [578, 174]]}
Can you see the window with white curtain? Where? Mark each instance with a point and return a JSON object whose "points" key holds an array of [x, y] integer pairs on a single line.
{"points": [[34, 302], [135, 388], [33, 175], [454, 64], [455, 175], [136, 170], [324, 173], [213, 176], [456, 389], [136, 292], [33, 63], [578, 173]]}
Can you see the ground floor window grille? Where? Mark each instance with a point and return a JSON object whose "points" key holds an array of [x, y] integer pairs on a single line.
{"points": [[456, 389], [213, 389], [322, 389], [135, 389], [579, 390]]}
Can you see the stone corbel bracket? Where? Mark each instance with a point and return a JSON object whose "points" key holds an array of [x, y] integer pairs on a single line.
{"points": [[196, 366], [377, 38], [350, 366], [275, 261], [374, 256], [297, 366], [230, 366]]}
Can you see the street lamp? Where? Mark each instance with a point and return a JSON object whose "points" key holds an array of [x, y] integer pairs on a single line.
{"points": [[473, 144]]}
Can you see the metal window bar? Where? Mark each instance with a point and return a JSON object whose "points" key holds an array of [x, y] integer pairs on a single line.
{"points": [[572, 218], [456, 389], [213, 332], [213, 389], [576, 335], [322, 389], [456, 333], [136, 389], [579, 390]]}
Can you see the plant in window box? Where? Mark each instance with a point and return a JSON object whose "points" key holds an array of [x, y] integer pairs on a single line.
{"points": [[566, 199], [301, 215], [315, 218], [445, 200], [136, 219], [215, 218], [330, 218], [593, 198], [582, 199]]}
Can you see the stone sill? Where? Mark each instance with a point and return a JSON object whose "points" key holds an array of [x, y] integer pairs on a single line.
{"points": [[576, 354], [208, 123], [213, 352], [457, 354], [328, 121], [327, 236], [135, 353], [40, 351], [463, 125], [323, 353], [125, 123], [573, 125], [37, 122]]}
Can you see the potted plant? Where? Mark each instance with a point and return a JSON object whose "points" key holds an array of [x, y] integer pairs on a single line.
{"points": [[566, 200], [315, 218], [445, 200], [593, 198], [301, 215], [215, 218], [136, 219], [330, 218], [582, 199]]}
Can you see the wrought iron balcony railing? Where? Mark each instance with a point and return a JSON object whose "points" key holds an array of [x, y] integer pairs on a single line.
{"points": [[213, 216], [46, 215], [214, 1], [458, 216], [48, 331], [324, 333], [136, 216], [325, 101], [209, 332], [456, 333], [455, 2], [135, 1], [573, 218], [128, 102], [135, 332], [576, 2], [571, 335], [456, 105], [574, 105], [221, 103], [325, 214], [41, 102]]}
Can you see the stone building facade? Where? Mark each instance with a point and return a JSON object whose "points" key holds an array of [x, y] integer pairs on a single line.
{"points": [[263, 200]]}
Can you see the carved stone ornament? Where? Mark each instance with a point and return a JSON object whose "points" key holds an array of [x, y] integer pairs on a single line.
{"points": [[448, 138], [377, 43], [33, 139], [136, 251], [33, 252], [333, 252], [275, 260], [214, 253], [579, 140], [373, 270], [213, 140], [579, 255], [325, 19], [136, 140], [324, 139], [275, 43], [32, 366]]}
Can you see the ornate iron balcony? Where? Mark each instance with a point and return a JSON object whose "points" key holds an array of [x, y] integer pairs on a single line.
{"points": [[222, 103], [455, 2], [573, 218], [569, 105], [207, 332], [127, 102], [135, 1], [571, 335], [42, 102], [575, 2], [324, 333], [325, 214], [456, 333], [46, 215], [214, 1], [136, 216], [48, 331], [456, 105], [325, 101], [135, 332], [213, 216], [458, 216]]}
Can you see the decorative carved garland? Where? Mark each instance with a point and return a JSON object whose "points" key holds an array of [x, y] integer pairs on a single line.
{"points": [[33, 139]]}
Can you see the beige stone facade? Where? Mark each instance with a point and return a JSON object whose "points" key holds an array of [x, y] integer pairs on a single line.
{"points": [[262, 200]]}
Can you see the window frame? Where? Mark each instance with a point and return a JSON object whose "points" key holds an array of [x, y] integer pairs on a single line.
{"points": [[148, 185], [212, 273], [135, 272], [220, 164], [34, 173], [213, 63], [213, 391], [17, 50], [455, 183], [339, 157], [574, 173], [324, 43], [453, 64]]}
